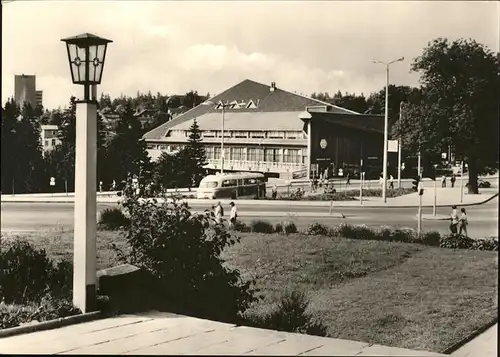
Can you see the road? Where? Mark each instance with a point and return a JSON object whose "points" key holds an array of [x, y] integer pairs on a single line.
{"points": [[21, 217]]}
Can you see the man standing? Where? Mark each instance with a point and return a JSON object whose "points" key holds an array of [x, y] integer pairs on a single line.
{"points": [[233, 215], [452, 180], [391, 182], [443, 181], [219, 212], [274, 191]]}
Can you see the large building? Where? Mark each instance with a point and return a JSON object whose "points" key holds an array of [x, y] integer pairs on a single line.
{"points": [[49, 137], [39, 98], [267, 129], [25, 89]]}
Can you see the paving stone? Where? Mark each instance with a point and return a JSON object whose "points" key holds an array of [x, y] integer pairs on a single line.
{"points": [[240, 344], [378, 350], [334, 347]]}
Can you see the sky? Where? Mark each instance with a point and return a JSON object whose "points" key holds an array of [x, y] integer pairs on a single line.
{"points": [[172, 47]]}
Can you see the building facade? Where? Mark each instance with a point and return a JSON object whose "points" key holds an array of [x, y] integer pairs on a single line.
{"points": [[39, 98], [49, 137], [25, 89], [263, 130]]}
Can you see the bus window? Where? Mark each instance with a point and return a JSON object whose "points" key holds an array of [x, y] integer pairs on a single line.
{"points": [[249, 181], [209, 184], [228, 183]]}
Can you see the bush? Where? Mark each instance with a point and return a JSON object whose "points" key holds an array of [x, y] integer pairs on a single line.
{"points": [[260, 226], [181, 252], [490, 244], [241, 227], [29, 275], [318, 229], [290, 316], [405, 235], [113, 219], [432, 238], [456, 241], [49, 308], [26, 272], [355, 231], [286, 227]]}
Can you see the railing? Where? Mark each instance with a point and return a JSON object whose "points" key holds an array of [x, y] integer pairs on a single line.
{"points": [[265, 166]]}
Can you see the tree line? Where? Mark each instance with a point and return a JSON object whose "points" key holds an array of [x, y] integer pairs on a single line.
{"points": [[121, 155]]}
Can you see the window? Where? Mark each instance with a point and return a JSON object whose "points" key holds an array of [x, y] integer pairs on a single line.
{"points": [[209, 184], [152, 146], [162, 147], [228, 183], [241, 134], [255, 154], [236, 153], [217, 152], [292, 156], [275, 134], [209, 134], [53, 142], [46, 143], [249, 181], [257, 134], [272, 155], [210, 152]]}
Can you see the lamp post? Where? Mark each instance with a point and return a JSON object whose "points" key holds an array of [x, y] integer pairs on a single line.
{"points": [[86, 54], [386, 124]]}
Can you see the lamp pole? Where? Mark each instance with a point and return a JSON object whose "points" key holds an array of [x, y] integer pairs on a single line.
{"points": [[386, 125], [86, 54], [222, 140], [400, 146]]}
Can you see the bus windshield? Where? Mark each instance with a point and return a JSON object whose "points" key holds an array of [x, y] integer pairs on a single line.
{"points": [[209, 184]]}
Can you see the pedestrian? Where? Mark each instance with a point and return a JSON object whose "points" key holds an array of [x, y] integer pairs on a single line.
{"points": [[348, 178], [233, 215], [113, 186], [381, 181], [443, 181], [463, 222], [100, 186], [219, 212], [274, 191], [452, 180], [454, 220], [391, 182]]}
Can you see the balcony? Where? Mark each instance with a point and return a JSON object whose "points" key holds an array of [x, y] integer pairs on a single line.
{"points": [[262, 166]]}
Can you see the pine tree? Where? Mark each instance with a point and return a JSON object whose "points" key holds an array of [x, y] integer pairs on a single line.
{"points": [[195, 155]]}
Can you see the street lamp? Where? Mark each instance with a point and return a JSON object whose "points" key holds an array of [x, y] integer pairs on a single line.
{"points": [[386, 124], [86, 54], [223, 107]]}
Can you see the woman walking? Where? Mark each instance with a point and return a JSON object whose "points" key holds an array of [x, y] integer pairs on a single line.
{"points": [[463, 222], [454, 220]]}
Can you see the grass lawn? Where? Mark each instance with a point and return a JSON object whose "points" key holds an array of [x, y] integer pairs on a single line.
{"points": [[396, 294]]}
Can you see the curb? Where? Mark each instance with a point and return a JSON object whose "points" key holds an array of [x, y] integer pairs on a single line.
{"points": [[50, 325], [302, 203], [434, 218], [452, 348]]}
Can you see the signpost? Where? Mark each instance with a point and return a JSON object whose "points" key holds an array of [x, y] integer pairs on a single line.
{"points": [[462, 183], [392, 145], [323, 144], [435, 191], [399, 164], [361, 176], [420, 194], [52, 184]]}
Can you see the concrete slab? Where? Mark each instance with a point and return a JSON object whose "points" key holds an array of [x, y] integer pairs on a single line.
{"points": [[484, 345]]}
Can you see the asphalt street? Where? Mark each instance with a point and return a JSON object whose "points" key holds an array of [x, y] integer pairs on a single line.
{"points": [[483, 219]]}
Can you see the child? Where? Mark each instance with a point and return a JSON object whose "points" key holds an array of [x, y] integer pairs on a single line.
{"points": [[463, 222]]}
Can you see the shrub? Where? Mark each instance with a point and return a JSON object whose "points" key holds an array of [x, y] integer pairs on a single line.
{"points": [[49, 308], [456, 241], [26, 272], [355, 231], [261, 226], [432, 238], [286, 227], [181, 253], [290, 316], [241, 227], [318, 229], [490, 244], [405, 235], [113, 219]]}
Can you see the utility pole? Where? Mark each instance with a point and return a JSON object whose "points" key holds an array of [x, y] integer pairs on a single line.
{"points": [[400, 146]]}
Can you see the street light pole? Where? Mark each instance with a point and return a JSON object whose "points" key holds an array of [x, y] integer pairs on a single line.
{"points": [[86, 54], [400, 146], [386, 125], [222, 142]]}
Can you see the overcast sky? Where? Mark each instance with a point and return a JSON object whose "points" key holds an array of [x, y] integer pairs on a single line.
{"points": [[175, 46]]}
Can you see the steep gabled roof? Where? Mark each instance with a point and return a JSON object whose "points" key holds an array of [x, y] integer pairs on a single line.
{"points": [[266, 100]]}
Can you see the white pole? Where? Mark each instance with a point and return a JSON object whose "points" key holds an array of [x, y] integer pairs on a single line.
{"points": [[386, 129], [222, 143], [361, 188], [419, 227], [84, 256], [399, 163], [435, 197], [419, 165], [462, 184], [309, 150]]}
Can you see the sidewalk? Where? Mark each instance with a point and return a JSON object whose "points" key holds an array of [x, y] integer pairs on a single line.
{"points": [[484, 345], [170, 334], [445, 197]]}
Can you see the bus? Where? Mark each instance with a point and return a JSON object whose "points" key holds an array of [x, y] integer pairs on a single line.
{"points": [[233, 185]]}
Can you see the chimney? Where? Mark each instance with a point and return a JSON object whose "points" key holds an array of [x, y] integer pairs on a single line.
{"points": [[273, 86]]}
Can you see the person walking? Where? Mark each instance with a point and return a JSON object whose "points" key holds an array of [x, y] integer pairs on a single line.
{"points": [[274, 191], [443, 181], [463, 222], [348, 179], [454, 220], [381, 181], [113, 186], [219, 212], [391, 182], [233, 215], [452, 180], [100, 186]]}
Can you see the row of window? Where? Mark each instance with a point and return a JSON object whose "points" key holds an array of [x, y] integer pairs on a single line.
{"points": [[244, 134], [51, 142]]}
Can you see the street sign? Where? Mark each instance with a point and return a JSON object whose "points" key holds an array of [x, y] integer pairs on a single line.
{"points": [[323, 143], [52, 181], [443, 155], [314, 167], [392, 145]]}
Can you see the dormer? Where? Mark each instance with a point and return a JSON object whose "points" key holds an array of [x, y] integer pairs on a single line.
{"points": [[251, 105]]}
